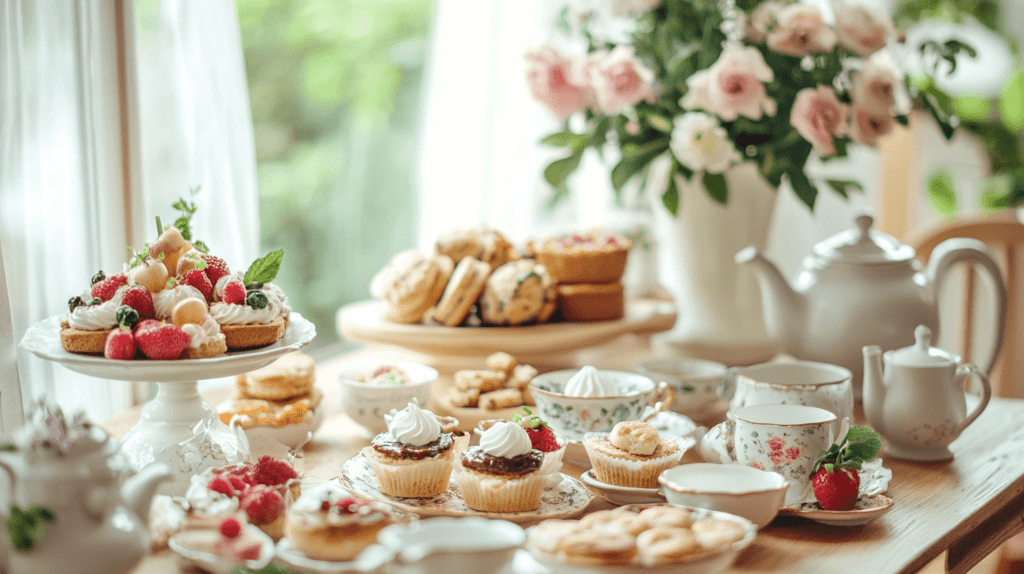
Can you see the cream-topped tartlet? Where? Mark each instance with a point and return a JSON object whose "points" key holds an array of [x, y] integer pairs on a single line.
{"points": [[328, 523]]}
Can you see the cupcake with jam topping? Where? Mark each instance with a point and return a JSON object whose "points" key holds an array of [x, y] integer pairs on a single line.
{"points": [[413, 458], [504, 473]]}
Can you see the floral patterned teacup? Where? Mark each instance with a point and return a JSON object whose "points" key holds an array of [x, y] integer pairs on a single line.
{"points": [[572, 417], [786, 439]]}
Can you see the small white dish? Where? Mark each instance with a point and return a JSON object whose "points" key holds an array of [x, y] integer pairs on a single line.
{"points": [[371, 560], [292, 436], [753, 494], [868, 508], [467, 545], [367, 404], [621, 495], [196, 547], [566, 499]]}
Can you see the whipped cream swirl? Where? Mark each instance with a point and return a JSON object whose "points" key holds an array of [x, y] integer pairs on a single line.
{"points": [[232, 314], [200, 334], [588, 383], [505, 439], [274, 293], [208, 502], [413, 425], [95, 317], [164, 301]]}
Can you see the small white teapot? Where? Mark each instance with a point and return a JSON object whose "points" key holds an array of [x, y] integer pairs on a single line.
{"points": [[66, 510], [919, 404]]}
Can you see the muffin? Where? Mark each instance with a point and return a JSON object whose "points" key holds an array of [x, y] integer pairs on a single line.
{"points": [[592, 301], [504, 473], [632, 455], [413, 458], [591, 258], [329, 523]]}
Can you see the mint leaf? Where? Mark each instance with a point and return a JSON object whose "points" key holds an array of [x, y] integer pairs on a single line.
{"points": [[264, 269], [863, 444]]}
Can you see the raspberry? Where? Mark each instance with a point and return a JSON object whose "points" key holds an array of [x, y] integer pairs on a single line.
{"points": [[543, 439], [262, 504], [238, 484], [347, 504], [215, 267], [233, 293], [196, 278], [230, 527], [221, 485], [106, 288], [325, 505], [120, 345], [250, 552], [162, 342], [271, 471], [139, 298]]}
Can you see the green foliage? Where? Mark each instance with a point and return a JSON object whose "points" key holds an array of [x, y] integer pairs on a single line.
{"points": [[1011, 102], [335, 94], [940, 193], [860, 445], [24, 526], [264, 269]]}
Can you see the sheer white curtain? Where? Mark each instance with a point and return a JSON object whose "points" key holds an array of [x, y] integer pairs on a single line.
{"points": [[66, 209]]}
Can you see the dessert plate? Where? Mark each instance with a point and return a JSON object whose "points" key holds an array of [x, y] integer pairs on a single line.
{"points": [[196, 548], [568, 498], [370, 560], [868, 508], [621, 495], [43, 339]]}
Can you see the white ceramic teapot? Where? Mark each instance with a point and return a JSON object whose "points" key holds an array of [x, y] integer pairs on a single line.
{"points": [[67, 511], [918, 403], [863, 287]]}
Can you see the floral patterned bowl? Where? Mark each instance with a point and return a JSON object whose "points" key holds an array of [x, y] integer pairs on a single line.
{"points": [[368, 403], [572, 417]]}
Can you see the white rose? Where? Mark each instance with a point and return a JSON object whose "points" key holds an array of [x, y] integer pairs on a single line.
{"points": [[878, 85], [700, 143]]}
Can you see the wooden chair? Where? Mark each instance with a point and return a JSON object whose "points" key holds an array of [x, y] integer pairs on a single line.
{"points": [[1003, 234]]}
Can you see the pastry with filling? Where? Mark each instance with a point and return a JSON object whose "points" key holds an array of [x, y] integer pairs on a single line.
{"points": [[413, 458], [504, 473], [329, 523], [632, 455]]}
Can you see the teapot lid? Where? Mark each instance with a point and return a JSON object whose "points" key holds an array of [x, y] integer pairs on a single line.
{"points": [[921, 353], [863, 245]]}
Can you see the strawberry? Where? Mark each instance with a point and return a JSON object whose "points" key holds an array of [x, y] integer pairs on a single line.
{"points": [[198, 279], [262, 504], [221, 485], [238, 483], [836, 481], [271, 471], [120, 345], [250, 552], [162, 342], [215, 267], [146, 324], [233, 293], [139, 298], [230, 527], [541, 437], [106, 288]]}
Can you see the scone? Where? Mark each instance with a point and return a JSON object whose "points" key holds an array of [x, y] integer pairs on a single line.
{"points": [[504, 473], [291, 375], [413, 458], [411, 284], [516, 293], [592, 302], [329, 523], [590, 258], [482, 243], [632, 455], [464, 288]]}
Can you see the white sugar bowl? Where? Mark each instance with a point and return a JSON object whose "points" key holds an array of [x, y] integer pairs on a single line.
{"points": [[744, 491], [468, 545]]}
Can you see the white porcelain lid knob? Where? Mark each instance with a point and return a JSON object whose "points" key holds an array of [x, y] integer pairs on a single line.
{"points": [[921, 353]]}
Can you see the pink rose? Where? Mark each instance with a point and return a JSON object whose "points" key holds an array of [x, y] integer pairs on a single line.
{"points": [[867, 125], [620, 80], [776, 443], [818, 116], [799, 31], [733, 86], [761, 20], [558, 82], [878, 86], [862, 29]]}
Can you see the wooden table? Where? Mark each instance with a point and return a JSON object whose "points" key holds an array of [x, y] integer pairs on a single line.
{"points": [[967, 506]]}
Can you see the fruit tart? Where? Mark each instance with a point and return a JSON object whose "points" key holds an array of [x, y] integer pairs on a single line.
{"points": [[330, 523]]}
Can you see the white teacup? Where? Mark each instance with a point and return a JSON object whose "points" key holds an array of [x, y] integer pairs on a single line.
{"points": [[695, 382], [572, 417], [786, 439], [805, 383]]}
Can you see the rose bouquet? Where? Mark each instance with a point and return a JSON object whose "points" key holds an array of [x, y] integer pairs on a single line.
{"points": [[707, 85]]}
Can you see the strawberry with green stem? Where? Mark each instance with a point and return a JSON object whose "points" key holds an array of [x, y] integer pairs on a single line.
{"points": [[836, 479], [541, 436]]}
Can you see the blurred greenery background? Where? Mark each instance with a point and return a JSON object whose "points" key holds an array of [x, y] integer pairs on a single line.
{"points": [[335, 92]]}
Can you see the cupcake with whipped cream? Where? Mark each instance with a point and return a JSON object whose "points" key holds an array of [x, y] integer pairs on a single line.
{"points": [[413, 458], [504, 473], [330, 523]]}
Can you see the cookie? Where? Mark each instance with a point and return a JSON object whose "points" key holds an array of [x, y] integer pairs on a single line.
{"points": [[291, 375], [82, 341], [484, 380], [516, 293], [482, 243], [254, 335], [463, 289], [413, 286]]}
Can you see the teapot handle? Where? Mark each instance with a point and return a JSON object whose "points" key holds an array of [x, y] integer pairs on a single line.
{"points": [[962, 375], [952, 251]]}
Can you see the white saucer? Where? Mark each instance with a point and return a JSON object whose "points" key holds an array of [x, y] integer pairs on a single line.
{"points": [[868, 508], [621, 495], [196, 547], [370, 560]]}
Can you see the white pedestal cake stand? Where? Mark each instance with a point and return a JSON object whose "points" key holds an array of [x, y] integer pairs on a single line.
{"points": [[165, 432]]}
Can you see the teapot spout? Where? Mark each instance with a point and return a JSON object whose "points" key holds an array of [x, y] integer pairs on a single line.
{"points": [[874, 385], [139, 490], [784, 307]]}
